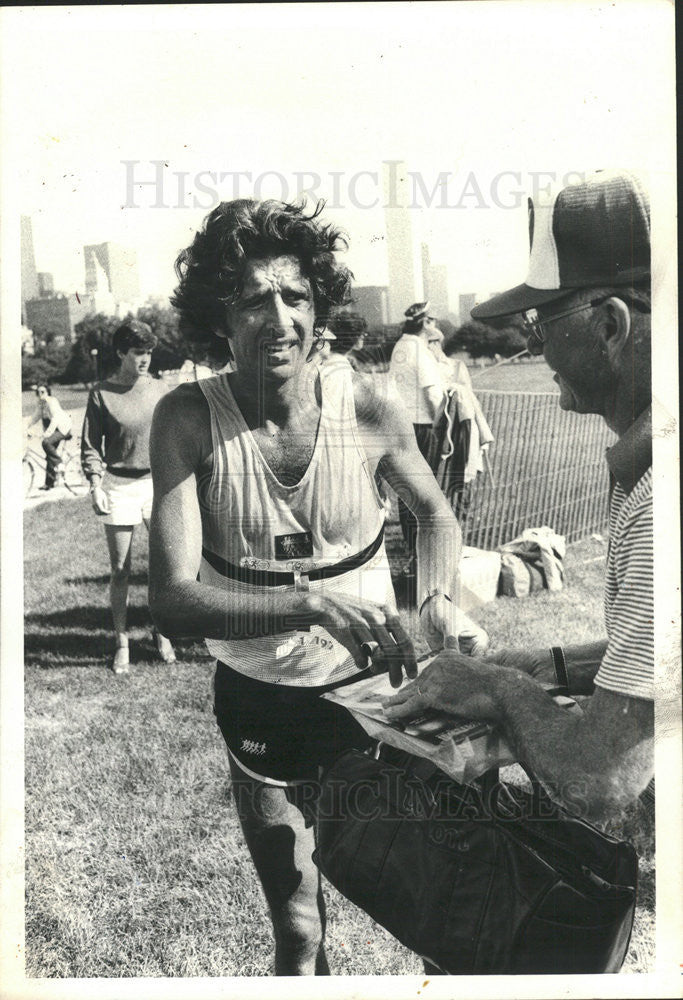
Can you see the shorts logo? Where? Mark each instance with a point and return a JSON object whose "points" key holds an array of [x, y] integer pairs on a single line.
{"points": [[253, 746], [297, 545]]}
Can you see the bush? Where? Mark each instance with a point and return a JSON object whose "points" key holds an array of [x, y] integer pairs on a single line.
{"points": [[96, 332], [93, 333], [483, 341], [48, 365]]}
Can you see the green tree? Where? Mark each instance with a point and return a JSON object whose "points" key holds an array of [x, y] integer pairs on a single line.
{"points": [[93, 334], [483, 341], [46, 365], [172, 348]]}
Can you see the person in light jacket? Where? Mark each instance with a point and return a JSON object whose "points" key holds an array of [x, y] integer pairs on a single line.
{"points": [[56, 428]]}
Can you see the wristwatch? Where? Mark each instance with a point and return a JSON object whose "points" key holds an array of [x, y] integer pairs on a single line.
{"points": [[434, 592], [560, 665]]}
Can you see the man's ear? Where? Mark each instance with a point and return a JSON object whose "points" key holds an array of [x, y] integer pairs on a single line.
{"points": [[615, 328]]}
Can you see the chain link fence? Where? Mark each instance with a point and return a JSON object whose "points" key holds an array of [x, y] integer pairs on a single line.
{"points": [[546, 466]]}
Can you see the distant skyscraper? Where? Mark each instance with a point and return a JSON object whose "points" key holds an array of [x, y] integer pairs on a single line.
{"points": [[467, 303], [53, 318], [120, 267], [405, 269], [29, 276], [435, 284], [371, 302], [46, 284]]}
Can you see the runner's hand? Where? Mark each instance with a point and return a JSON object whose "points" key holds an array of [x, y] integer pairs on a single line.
{"points": [[100, 500], [473, 640], [353, 622], [440, 619]]}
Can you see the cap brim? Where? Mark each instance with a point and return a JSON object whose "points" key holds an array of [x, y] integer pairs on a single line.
{"points": [[517, 300]]}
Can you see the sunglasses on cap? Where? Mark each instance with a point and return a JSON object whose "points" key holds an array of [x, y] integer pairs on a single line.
{"points": [[534, 326]]}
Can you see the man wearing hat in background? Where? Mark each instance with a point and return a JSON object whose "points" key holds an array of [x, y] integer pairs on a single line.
{"points": [[586, 306], [419, 381]]}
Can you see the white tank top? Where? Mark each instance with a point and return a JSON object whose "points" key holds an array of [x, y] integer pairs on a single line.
{"points": [[252, 522]]}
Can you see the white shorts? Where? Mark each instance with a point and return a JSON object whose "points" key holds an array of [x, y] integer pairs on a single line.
{"points": [[130, 500]]}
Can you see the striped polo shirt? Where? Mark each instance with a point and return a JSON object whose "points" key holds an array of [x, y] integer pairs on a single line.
{"points": [[628, 664]]}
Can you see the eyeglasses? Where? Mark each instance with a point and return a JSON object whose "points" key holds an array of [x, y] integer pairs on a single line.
{"points": [[534, 326]]}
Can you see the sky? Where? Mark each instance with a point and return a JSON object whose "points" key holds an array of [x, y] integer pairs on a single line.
{"points": [[492, 96]]}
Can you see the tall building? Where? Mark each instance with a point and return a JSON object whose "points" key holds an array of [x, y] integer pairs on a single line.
{"points": [[53, 318], [405, 266], [29, 276], [119, 266], [371, 301], [467, 302], [435, 278], [46, 284]]}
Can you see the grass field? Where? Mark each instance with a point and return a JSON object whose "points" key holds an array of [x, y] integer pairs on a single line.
{"points": [[72, 397], [520, 376], [531, 376], [135, 863]]}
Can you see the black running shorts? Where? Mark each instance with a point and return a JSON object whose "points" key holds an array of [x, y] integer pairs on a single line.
{"points": [[280, 731]]}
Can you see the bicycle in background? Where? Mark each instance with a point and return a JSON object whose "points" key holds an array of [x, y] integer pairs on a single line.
{"points": [[34, 466]]}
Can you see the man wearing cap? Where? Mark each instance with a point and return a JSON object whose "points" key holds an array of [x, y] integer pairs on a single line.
{"points": [[586, 305], [417, 376]]}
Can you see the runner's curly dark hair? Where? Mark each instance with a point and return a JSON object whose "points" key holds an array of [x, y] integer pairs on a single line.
{"points": [[211, 270]]}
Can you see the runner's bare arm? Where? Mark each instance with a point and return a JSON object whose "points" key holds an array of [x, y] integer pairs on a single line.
{"points": [[180, 447], [382, 419]]}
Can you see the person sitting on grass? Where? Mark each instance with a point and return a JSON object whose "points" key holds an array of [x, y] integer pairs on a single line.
{"points": [[586, 307]]}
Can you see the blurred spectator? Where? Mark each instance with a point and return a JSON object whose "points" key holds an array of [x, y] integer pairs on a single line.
{"points": [[56, 428], [347, 337], [115, 459], [420, 384]]}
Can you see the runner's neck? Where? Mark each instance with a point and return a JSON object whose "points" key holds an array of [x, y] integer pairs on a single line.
{"points": [[282, 405]]}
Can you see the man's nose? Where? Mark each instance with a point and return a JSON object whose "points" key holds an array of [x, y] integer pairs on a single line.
{"points": [[279, 317]]}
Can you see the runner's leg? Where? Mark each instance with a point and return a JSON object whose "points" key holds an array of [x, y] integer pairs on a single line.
{"points": [[119, 539], [164, 645], [281, 846], [50, 447]]}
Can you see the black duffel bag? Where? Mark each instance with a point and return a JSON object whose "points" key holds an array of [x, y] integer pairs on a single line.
{"points": [[476, 883]]}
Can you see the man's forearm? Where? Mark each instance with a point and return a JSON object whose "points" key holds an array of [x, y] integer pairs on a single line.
{"points": [[568, 752], [191, 608], [438, 548]]}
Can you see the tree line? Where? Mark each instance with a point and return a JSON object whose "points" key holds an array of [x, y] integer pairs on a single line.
{"points": [[90, 357]]}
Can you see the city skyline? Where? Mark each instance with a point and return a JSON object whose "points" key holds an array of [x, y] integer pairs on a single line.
{"points": [[111, 271], [394, 235], [229, 102]]}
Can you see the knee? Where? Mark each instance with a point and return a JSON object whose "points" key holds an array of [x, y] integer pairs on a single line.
{"points": [[299, 929]]}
